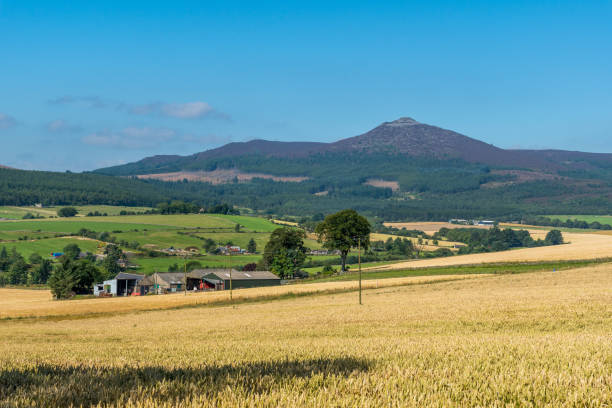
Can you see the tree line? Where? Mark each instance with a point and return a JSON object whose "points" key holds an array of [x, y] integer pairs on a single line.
{"points": [[495, 239]]}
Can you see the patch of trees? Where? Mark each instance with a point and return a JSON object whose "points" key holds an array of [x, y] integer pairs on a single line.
{"points": [[15, 270], [67, 212], [180, 207], [285, 252], [495, 239]]}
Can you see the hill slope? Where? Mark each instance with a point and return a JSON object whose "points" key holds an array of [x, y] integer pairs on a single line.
{"points": [[403, 137]]}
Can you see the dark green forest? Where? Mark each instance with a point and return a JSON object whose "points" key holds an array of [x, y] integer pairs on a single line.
{"points": [[430, 189]]}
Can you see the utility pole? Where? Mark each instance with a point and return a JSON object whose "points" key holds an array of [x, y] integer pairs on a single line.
{"points": [[359, 257], [184, 276], [230, 271]]}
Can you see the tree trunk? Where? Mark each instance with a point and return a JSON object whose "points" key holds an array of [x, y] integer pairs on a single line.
{"points": [[343, 254]]}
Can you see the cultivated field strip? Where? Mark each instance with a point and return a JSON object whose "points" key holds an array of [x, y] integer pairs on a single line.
{"points": [[19, 303], [537, 339], [579, 246]]}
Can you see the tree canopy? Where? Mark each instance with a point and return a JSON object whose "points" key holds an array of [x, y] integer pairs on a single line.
{"points": [[344, 230], [285, 252]]}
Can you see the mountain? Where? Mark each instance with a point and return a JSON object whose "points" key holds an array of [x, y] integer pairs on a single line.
{"points": [[401, 137], [400, 170]]}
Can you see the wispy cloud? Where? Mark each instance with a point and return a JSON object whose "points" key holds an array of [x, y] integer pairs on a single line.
{"points": [[88, 101], [131, 137], [61, 126], [7, 121], [187, 110]]}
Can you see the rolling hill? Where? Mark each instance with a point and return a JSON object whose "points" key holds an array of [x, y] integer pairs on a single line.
{"points": [[401, 137], [400, 170]]}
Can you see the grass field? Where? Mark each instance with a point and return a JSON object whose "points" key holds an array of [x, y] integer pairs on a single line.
{"points": [[532, 339], [603, 219], [19, 212]]}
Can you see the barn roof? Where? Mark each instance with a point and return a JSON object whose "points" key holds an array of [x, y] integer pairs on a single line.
{"points": [[240, 275], [124, 275]]}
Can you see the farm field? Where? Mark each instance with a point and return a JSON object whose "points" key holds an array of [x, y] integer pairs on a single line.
{"points": [[603, 219], [24, 303], [149, 231], [536, 339], [428, 227], [579, 246], [19, 212]]}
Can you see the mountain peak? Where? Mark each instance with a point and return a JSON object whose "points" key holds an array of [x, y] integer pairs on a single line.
{"points": [[404, 121]]}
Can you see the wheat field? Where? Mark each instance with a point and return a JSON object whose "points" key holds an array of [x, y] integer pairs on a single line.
{"points": [[24, 303], [580, 246], [537, 339]]}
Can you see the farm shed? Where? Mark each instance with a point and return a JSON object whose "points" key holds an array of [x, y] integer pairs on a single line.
{"points": [[240, 279], [197, 280], [127, 282], [164, 282], [124, 284]]}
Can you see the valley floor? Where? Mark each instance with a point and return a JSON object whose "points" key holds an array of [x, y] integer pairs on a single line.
{"points": [[533, 339]]}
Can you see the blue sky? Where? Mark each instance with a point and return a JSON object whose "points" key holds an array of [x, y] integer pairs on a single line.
{"points": [[90, 84]]}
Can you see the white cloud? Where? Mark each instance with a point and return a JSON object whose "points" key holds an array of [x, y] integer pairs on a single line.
{"points": [[61, 126], [130, 137], [7, 121], [187, 110]]}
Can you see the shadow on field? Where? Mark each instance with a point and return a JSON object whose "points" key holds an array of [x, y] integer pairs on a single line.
{"points": [[49, 385]]}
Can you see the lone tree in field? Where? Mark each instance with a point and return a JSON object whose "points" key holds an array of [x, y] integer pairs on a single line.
{"points": [[554, 237], [342, 231], [67, 212], [252, 246], [285, 252]]}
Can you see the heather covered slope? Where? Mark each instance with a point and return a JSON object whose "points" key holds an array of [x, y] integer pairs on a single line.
{"points": [[403, 137]]}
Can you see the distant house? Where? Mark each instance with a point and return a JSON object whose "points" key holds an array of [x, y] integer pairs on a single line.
{"points": [[486, 223], [124, 284], [459, 221], [234, 250]]}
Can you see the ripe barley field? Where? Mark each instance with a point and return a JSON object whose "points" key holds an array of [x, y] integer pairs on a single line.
{"points": [[578, 246], [534, 339]]}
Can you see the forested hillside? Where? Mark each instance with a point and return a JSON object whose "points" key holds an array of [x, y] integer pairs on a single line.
{"points": [[437, 190]]}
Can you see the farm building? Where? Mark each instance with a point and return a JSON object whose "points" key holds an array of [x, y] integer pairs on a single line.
{"points": [[163, 282], [219, 279], [124, 284]]}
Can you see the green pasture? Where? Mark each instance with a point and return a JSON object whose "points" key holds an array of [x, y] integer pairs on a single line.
{"points": [[44, 247], [18, 212], [73, 225], [603, 219], [254, 224]]}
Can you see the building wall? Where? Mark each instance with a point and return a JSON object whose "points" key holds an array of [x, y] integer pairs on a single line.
{"points": [[251, 283]]}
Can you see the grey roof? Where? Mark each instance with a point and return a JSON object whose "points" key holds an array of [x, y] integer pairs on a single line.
{"points": [[200, 273], [169, 277], [240, 275], [124, 275]]}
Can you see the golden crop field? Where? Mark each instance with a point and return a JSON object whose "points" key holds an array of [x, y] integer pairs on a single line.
{"points": [[578, 246], [429, 227], [538, 339], [24, 303]]}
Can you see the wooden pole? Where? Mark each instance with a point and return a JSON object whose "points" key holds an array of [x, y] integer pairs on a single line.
{"points": [[230, 272], [184, 276], [359, 257]]}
